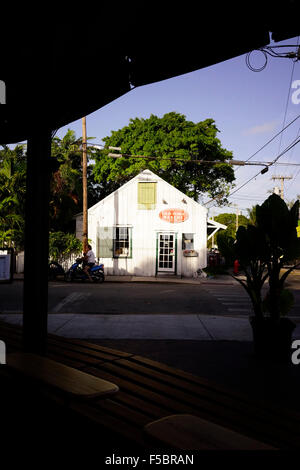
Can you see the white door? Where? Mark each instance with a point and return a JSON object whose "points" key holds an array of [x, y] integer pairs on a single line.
{"points": [[166, 253]]}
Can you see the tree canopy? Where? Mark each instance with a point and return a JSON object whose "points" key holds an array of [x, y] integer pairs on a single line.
{"points": [[66, 181], [175, 142], [12, 195], [65, 188], [229, 219]]}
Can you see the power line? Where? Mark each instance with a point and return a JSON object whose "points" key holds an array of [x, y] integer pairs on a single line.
{"points": [[273, 53], [287, 100], [274, 137], [253, 177], [291, 183], [295, 142]]}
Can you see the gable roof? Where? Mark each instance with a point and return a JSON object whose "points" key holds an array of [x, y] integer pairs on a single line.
{"points": [[146, 176]]}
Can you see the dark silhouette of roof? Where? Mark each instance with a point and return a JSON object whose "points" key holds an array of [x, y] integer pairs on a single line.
{"points": [[59, 68]]}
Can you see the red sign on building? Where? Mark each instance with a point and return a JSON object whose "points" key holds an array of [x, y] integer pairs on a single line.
{"points": [[174, 216]]}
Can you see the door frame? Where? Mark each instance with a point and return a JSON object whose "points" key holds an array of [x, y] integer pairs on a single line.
{"points": [[158, 233]]}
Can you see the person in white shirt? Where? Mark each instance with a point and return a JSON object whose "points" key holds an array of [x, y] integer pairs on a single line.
{"points": [[89, 261]]}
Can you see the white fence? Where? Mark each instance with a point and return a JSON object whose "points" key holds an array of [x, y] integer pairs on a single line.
{"points": [[65, 262]]}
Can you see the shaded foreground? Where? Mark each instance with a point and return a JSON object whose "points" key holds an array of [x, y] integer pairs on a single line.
{"points": [[227, 363], [149, 390]]}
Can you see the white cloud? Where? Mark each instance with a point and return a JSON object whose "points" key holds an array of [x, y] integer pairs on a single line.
{"points": [[261, 129]]}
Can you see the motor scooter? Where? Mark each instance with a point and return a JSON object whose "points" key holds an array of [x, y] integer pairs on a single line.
{"points": [[55, 269], [76, 272]]}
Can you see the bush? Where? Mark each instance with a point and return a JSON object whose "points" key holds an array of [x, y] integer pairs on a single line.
{"points": [[63, 245], [226, 247]]}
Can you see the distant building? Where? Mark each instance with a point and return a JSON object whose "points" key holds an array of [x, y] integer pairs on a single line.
{"points": [[147, 227]]}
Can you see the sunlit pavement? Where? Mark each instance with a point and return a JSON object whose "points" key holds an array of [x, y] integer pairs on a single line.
{"points": [[155, 327]]}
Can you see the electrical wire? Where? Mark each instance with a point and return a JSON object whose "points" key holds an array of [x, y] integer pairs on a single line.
{"points": [[288, 98], [271, 140], [259, 69], [274, 137], [269, 50], [289, 147], [291, 183]]}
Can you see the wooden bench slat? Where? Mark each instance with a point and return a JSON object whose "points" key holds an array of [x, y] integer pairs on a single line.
{"points": [[63, 360], [188, 432], [135, 402], [166, 404], [217, 410], [248, 409], [71, 381], [220, 415], [115, 408], [151, 390], [78, 356], [86, 353], [93, 346], [218, 388]]}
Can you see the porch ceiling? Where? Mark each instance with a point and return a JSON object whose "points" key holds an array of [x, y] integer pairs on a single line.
{"points": [[57, 69]]}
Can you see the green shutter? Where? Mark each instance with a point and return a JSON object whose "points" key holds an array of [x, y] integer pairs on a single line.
{"points": [[147, 196]]}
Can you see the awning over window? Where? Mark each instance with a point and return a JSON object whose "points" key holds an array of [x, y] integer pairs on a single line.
{"points": [[213, 227]]}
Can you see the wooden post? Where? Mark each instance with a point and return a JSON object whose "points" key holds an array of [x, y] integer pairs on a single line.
{"points": [[84, 187], [35, 296], [281, 178], [237, 219]]}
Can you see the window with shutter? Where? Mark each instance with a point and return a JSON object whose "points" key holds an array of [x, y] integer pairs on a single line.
{"points": [[147, 196]]}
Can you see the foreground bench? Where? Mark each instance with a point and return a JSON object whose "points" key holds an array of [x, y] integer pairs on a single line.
{"points": [[149, 391], [188, 432], [71, 382]]}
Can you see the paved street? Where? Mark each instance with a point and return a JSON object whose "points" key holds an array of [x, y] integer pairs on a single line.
{"points": [[117, 298], [210, 297]]}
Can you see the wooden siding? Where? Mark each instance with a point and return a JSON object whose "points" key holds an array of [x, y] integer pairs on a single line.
{"points": [[121, 208]]}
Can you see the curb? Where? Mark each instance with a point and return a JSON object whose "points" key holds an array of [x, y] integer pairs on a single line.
{"points": [[202, 282]]}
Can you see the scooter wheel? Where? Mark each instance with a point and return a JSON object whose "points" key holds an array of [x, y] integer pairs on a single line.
{"points": [[98, 278]]}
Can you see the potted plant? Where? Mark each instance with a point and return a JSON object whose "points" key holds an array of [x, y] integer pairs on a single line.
{"points": [[262, 250]]}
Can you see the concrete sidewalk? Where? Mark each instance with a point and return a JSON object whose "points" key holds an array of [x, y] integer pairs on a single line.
{"points": [[219, 279], [147, 327]]}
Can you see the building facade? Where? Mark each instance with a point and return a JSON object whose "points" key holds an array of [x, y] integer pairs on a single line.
{"points": [[146, 228]]}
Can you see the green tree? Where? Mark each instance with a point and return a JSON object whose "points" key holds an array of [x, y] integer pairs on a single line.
{"points": [[66, 181], [252, 215], [12, 196], [175, 142], [225, 244], [262, 250], [292, 202], [279, 224], [65, 188], [229, 219]]}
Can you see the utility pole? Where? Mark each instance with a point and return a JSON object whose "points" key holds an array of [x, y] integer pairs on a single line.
{"points": [[84, 187], [213, 237], [281, 178], [236, 217]]}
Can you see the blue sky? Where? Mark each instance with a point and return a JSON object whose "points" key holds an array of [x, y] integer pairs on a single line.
{"points": [[248, 108]]}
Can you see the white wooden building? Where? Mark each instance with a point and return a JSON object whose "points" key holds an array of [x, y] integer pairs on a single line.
{"points": [[146, 228]]}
